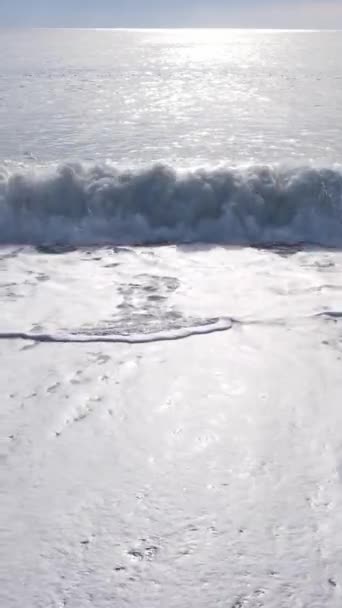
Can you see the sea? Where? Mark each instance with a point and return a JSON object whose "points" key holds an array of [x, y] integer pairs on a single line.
{"points": [[171, 318]]}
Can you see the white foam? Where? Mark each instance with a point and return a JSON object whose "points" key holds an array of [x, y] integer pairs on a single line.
{"points": [[138, 338]]}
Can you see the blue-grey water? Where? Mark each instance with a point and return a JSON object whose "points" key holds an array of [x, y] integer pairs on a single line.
{"points": [[223, 136]]}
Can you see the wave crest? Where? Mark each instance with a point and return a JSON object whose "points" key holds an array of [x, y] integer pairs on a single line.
{"points": [[78, 205]]}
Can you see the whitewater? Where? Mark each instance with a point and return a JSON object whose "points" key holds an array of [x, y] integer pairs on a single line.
{"points": [[171, 319], [74, 205]]}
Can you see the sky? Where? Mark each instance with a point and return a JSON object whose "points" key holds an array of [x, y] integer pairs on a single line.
{"points": [[309, 14]]}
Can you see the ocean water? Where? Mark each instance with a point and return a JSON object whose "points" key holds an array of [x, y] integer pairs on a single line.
{"points": [[133, 137], [170, 328]]}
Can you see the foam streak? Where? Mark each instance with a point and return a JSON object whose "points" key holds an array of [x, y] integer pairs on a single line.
{"points": [[71, 338]]}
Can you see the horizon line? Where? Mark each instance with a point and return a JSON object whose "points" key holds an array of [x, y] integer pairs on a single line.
{"points": [[176, 27]]}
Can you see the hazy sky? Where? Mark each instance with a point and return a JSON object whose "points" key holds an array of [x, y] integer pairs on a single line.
{"points": [[172, 13]]}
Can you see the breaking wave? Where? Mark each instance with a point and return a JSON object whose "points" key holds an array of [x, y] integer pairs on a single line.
{"points": [[82, 205]]}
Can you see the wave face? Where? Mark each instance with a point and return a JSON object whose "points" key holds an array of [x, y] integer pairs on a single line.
{"points": [[81, 205]]}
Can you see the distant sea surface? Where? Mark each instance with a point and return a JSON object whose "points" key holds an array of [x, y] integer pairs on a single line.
{"points": [[180, 96]]}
